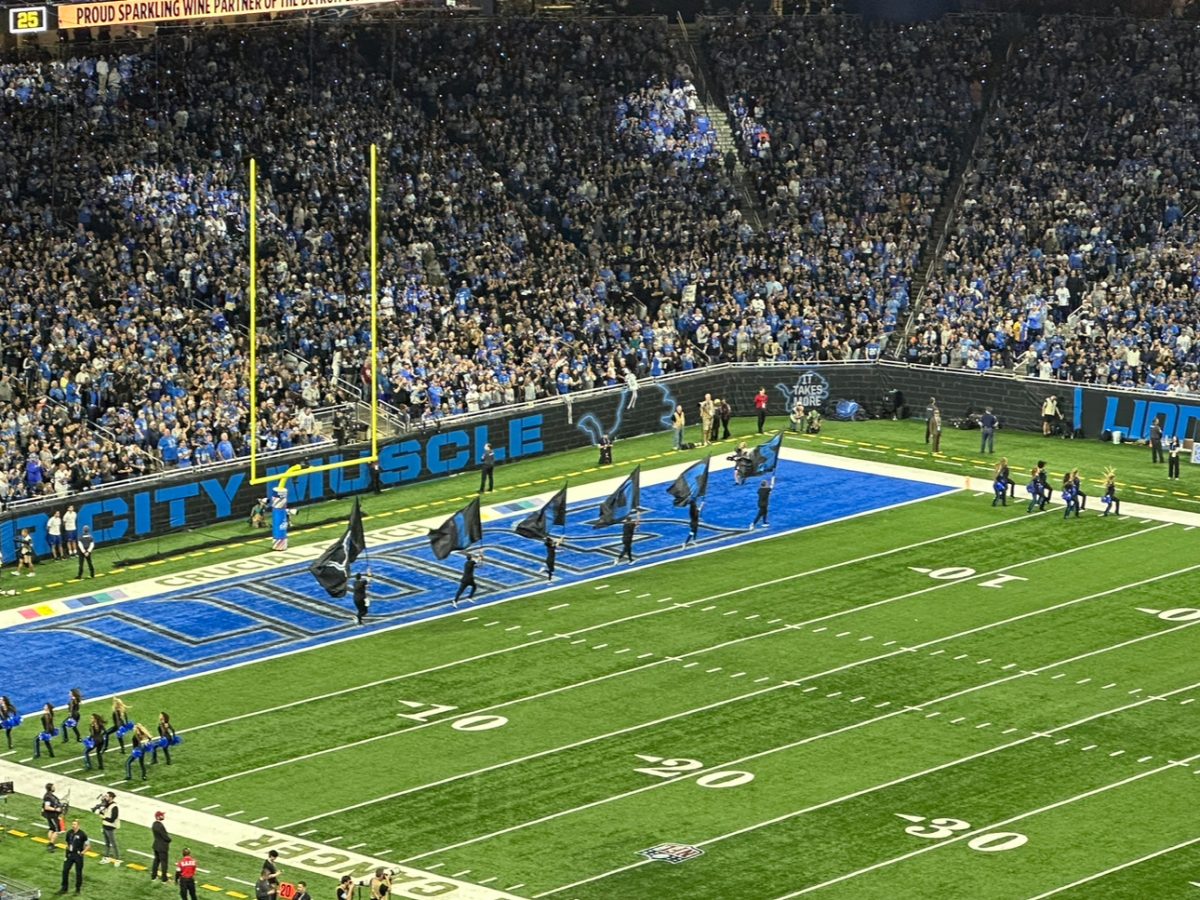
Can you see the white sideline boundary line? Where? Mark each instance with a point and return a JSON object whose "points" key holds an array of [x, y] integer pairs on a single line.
{"points": [[781, 630], [975, 832], [554, 637], [808, 740], [869, 790], [1109, 871]]}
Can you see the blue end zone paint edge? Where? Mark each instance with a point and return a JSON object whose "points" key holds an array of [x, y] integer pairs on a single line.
{"points": [[141, 643]]}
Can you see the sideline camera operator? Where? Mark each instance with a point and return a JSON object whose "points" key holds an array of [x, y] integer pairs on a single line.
{"points": [[381, 884], [110, 820]]}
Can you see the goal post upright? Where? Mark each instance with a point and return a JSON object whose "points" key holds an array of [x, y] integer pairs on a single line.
{"points": [[255, 476]]}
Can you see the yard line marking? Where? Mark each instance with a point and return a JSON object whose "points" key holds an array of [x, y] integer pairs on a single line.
{"points": [[619, 673], [1124, 865], [851, 796], [618, 621], [977, 831]]}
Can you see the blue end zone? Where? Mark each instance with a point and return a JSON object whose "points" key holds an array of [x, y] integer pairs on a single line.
{"points": [[137, 643]]}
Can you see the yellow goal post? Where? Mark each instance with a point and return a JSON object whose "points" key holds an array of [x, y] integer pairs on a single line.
{"points": [[256, 477]]}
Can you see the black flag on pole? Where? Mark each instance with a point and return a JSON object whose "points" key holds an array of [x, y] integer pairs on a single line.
{"points": [[623, 501], [458, 532], [692, 483], [765, 457], [332, 568], [554, 512]]}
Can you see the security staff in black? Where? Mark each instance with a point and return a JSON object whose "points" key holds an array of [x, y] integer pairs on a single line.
{"points": [[487, 466], [764, 501], [987, 431], [84, 548], [77, 846], [162, 846], [362, 605], [1156, 438]]}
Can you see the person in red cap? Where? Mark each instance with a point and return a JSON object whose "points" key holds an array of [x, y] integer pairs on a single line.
{"points": [[162, 846], [185, 875]]}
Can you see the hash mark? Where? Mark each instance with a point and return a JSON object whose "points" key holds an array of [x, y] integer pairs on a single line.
{"points": [[1008, 731], [644, 655], [490, 624], [1063, 741], [1145, 759], [737, 675], [624, 590], [471, 619], [934, 652], [689, 665], [1083, 681], [841, 634], [513, 628], [532, 633], [599, 646], [819, 630], [1116, 753], [834, 694], [559, 606], [1089, 747], [761, 680], [959, 719], [706, 608]]}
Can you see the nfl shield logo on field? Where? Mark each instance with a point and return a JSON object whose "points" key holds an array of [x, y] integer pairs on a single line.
{"points": [[672, 853]]}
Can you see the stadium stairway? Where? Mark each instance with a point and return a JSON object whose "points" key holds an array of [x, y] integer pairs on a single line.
{"points": [[749, 203], [1002, 46]]}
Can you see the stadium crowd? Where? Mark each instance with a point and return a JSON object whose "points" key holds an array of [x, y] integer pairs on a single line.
{"points": [[850, 130], [1074, 253], [554, 215]]}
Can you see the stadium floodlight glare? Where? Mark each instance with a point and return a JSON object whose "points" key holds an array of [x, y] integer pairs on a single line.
{"points": [[255, 476]]}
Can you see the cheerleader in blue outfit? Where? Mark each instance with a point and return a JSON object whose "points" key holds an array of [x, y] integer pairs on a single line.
{"points": [[1112, 503], [142, 742], [121, 725], [47, 734], [1069, 497], [1035, 490], [1000, 482], [95, 741], [166, 738], [74, 702], [9, 719]]}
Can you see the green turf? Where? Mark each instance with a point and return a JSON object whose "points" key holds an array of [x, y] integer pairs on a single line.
{"points": [[848, 686]]}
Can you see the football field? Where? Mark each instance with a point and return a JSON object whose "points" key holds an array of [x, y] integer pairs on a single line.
{"points": [[916, 695]]}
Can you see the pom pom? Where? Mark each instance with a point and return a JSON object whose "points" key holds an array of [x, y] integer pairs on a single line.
{"points": [[89, 744], [176, 740]]}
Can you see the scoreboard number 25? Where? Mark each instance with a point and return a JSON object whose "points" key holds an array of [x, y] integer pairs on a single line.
{"points": [[27, 20]]}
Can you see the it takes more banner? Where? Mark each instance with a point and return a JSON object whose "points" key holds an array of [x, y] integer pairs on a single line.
{"points": [[142, 12]]}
